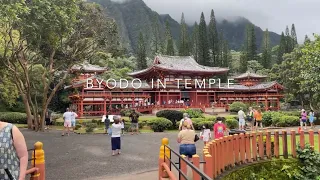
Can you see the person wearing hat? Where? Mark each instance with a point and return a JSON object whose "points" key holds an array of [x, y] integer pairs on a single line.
{"points": [[303, 120], [187, 119]]}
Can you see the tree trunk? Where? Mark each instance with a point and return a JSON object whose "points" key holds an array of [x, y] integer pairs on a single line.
{"points": [[28, 111]]}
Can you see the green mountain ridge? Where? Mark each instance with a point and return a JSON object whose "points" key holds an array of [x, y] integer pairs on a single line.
{"points": [[135, 16]]}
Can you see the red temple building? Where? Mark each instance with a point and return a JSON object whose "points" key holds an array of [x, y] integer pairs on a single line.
{"points": [[170, 82]]}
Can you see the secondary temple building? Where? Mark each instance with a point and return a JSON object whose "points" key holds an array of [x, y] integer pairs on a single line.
{"points": [[170, 82]]}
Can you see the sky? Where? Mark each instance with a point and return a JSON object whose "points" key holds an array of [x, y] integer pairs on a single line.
{"points": [[272, 14]]}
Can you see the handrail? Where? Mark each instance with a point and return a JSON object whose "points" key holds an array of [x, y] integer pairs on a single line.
{"points": [[170, 174], [197, 170]]}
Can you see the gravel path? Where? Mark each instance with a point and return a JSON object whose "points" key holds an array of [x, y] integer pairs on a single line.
{"points": [[81, 157]]}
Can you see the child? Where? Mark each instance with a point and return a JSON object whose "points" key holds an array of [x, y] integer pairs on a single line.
{"points": [[219, 128], [311, 118], [122, 126], [205, 134], [303, 120], [116, 134]]}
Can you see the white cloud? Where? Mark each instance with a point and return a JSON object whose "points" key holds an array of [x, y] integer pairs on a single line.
{"points": [[272, 14]]}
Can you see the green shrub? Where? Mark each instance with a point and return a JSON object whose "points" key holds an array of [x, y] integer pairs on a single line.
{"points": [[90, 127], [236, 106], [13, 117], [127, 112], [235, 117], [194, 113], [232, 123], [213, 119], [291, 113], [208, 124], [160, 124], [172, 115], [55, 116], [78, 126], [57, 123], [99, 122], [267, 118]]}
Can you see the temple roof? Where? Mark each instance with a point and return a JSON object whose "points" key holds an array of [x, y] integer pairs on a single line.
{"points": [[179, 64], [87, 67], [249, 75], [260, 86]]}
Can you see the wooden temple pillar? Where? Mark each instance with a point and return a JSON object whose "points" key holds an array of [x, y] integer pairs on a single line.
{"points": [[104, 106], [266, 103], [81, 107], [278, 103]]}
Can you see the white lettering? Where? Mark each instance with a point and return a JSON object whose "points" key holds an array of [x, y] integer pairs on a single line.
{"points": [[115, 83], [178, 84], [127, 83], [219, 82], [151, 83], [132, 83], [211, 83], [163, 85], [99, 82], [203, 83], [230, 83], [186, 83], [89, 82]]}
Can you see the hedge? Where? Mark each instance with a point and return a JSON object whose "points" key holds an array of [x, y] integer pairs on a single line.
{"points": [[171, 115], [194, 113], [236, 106], [13, 117], [160, 124], [127, 112]]}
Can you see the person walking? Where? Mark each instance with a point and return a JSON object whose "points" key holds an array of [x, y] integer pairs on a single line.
{"points": [[73, 119], [116, 136], [122, 126], [250, 118], [205, 134], [106, 124], [303, 120], [311, 118], [219, 128], [186, 138], [134, 122], [187, 119], [67, 117], [258, 118], [13, 152], [47, 119], [241, 116]]}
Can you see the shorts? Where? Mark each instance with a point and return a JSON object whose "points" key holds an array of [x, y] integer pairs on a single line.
{"points": [[242, 122], [311, 120], [73, 123], [135, 125], [106, 126], [115, 143], [304, 120], [47, 121], [187, 150], [67, 123]]}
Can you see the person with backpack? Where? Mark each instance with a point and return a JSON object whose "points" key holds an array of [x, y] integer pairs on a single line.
{"points": [[14, 153], [187, 119], [250, 118]]}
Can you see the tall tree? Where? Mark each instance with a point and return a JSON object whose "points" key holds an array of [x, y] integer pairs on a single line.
{"points": [[184, 38], [226, 55], [220, 50], [251, 43], [306, 39], [243, 62], [294, 36], [141, 56], [266, 51], [288, 48], [282, 48], [203, 51], [169, 41], [213, 39], [195, 41], [156, 37]]}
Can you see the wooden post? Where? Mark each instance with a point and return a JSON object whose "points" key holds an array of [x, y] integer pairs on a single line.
{"points": [[302, 143], [208, 170], [254, 146], [183, 167], [311, 138], [248, 148], [196, 163], [268, 144], [236, 148], [214, 158], [293, 143], [276, 144], [261, 145], [39, 161], [285, 144], [242, 148]]}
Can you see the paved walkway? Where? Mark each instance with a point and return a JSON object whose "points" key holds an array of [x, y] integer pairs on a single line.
{"points": [[83, 157]]}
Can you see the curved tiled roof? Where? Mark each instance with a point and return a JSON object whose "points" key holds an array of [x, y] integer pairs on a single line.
{"points": [[248, 75], [180, 63]]}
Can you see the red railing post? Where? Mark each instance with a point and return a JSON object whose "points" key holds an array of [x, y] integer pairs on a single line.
{"points": [[293, 143], [302, 143], [311, 138], [254, 146], [276, 144], [196, 163], [208, 170], [183, 167]]}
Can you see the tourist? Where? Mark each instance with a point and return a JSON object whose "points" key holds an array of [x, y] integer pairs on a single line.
{"points": [[47, 119], [219, 129], [73, 119], [122, 126], [116, 136], [106, 124], [241, 116], [186, 138], [250, 118], [14, 154], [205, 134], [311, 118], [134, 122], [303, 120], [67, 117], [258, 117], [187, 119]]}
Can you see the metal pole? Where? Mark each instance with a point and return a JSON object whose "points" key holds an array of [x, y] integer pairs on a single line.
{"points": [[170, 160]]}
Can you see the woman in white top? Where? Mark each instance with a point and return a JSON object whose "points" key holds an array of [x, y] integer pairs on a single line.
{"points": [[116, 135]]}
